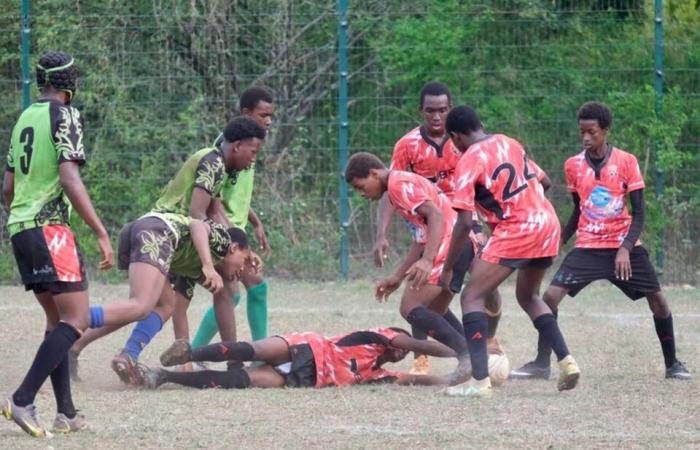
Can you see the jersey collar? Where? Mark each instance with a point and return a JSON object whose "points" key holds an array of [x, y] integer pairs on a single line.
{"points": [[597, 169], [438, 147]]}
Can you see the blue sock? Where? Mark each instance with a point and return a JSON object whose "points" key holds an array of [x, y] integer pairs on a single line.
{"points": [[144, 331], [97, 316]]}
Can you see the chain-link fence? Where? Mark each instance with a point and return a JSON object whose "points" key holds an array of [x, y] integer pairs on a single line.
{"points": [[161, 78]]}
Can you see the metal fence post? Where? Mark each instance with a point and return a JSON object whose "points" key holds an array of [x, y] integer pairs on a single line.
{"points": [[26, 80], [658, 109], [343, 133]]}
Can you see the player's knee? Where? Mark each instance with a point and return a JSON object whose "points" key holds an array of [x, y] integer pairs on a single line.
{"points": [[552, 299], [658, 304]]}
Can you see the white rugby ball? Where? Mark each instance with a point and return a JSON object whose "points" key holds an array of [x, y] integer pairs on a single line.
{"points": [[499, 368]]}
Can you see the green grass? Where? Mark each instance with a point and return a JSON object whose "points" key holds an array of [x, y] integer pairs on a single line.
{"points": [[622, 401]]}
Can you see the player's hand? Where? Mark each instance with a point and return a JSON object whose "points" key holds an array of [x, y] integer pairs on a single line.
{"points": [[419, 272], [381, 251], [623, 268], [384, 288], [212, 280], [446, 279], [254, 263], [261, 237], [105, 245]]}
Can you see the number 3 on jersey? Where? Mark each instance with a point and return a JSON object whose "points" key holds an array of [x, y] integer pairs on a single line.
{"points": [[508, 190], [26, 137]]}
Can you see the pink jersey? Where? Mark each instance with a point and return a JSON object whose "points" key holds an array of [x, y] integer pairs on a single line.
{"points": [[496, 176], [604, 220]]}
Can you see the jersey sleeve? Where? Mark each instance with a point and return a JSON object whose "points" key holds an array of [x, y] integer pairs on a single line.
{"points": [[400, 159], [219, 240], [570, 174], [537, 170], [633, 177], [406, 195], [469, 171], [210, 174], [67, 127]]}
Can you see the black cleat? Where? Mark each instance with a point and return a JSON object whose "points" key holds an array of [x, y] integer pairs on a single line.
{"points": [[153, 378], [530, 371], [678, 371]]}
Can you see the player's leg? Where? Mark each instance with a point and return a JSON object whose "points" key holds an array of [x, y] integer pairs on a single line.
{"points": [[273, 350], [261, 377], [208, 327], [256, 298], [527, 292], [415, 308], [494, 305], [224, 314]]}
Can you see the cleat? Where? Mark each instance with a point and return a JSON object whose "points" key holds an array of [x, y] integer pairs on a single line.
{"points": [[569, 373], [153, 378], [494, 347], [421, 366], [472, 389], [463, 371], [180, 352], [678, 371], [129, 371], [530, 371], [62, 424], [25, 417], [73, 366]]}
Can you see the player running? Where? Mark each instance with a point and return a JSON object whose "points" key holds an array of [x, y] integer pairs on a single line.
{"points": [[302, 360], [41, 183], [495, 175], [607, 244], [428, 151]]}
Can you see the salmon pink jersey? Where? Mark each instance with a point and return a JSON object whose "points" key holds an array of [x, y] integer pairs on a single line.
{"points": [[407, 191], [604, 220], [416, 152], [349, 358], [496, 176]]}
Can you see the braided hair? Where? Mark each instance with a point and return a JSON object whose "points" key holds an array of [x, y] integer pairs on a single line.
{"points": [[57, 69]]}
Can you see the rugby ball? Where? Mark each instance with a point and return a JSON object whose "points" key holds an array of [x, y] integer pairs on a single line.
{"points": [[499, 368]]}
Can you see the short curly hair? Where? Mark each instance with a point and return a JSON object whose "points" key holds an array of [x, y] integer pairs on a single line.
{"points": [[254, 95], [360, 164], [596, 111], [57, 69], [242, 127]]}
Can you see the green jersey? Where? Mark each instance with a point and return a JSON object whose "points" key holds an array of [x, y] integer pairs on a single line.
{"points": [[47, 134], [204, 169], [236, 198]]}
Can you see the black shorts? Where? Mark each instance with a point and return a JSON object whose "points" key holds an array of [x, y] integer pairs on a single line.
{"points": [[182, 285], [49, 260], [148, 240], [461, 267], [583, 266], [302, 372], [527, 263]]}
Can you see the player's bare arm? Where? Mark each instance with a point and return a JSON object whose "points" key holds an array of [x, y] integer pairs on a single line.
{"points": [[72, 184], [217, 213], [200, 202], [420, 271], [200, 238], [260, 235], [381, 244], [385, 287], [460, 238], [432, 348], [572, 224], [8, 188], [405, 379]]}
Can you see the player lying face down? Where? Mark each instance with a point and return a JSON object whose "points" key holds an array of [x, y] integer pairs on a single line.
{"points": [[301, 360]]}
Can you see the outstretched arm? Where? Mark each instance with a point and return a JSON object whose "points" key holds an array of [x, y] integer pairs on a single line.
{"points": [[200, 238], [406, 379], [432, 348]]}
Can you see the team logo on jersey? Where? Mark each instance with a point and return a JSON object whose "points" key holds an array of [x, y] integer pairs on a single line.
{"points": [[612, 171], [600, 197], [602, 205]]}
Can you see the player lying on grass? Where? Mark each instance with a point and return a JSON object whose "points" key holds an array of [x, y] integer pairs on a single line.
{"points": [[428, 151], [301, 360], [424, 304], [192, 192], [495, 175], [607, 244], [154, 247]]}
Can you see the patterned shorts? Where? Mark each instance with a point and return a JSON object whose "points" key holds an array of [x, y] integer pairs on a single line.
{"points": [[148, 240]]}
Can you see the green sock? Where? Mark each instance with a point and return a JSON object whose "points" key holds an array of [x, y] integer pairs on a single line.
{"points": [[208, 327], [257, 311]]}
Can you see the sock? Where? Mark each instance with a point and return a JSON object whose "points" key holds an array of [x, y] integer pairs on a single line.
{"points": [[476, 331], [224, 351], [144, 331], [664, 330], [493, 320], [436, 327], [231, 379], [208, 327], [547, 325], [544, 349], [257, 311], [60, 380], [97, 316], [454, 322], [51, 353]]}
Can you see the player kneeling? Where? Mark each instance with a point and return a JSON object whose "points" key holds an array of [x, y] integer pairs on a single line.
{"points": [[302, 360]]}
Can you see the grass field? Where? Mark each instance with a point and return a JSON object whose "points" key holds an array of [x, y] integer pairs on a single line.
{"points": [[622, 401]]}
